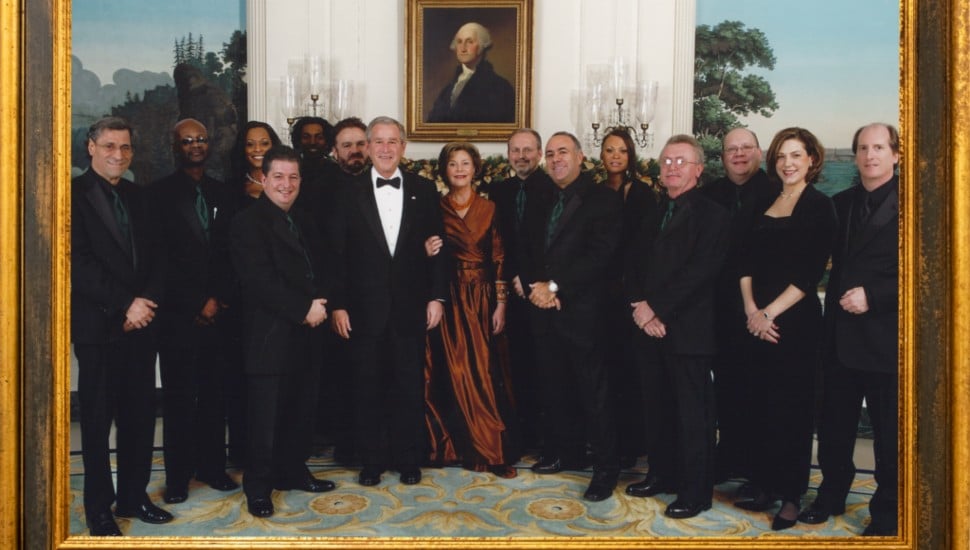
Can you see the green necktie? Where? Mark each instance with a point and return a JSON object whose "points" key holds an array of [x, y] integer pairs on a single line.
{"points": [[296, 232], [737, 199], [668, 214], [121, 215], [520, 203], [554, 216], [202, 209]]}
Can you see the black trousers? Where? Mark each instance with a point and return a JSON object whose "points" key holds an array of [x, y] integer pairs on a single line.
{"points": [[336, 408], [281, 413], [116, 382], [617, 337], [522, 367], [388, 390], [844, 389], [733, 395], [194, 378], [678, 397], [576, 400]]}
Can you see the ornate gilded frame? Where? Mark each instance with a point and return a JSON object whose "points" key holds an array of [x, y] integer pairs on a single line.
{"points": [[415, 59], [34, 293]]}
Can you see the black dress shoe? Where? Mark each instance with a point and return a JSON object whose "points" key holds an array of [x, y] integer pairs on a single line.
{"points": [[680, 509], [818, 512], [747, 491], [146, 511], [369, 476], [260, 507], [175, 494], [103, 525], [308, 484], [601, 486], [547, 465], [650, 486], [763, 501], [410, 475], [219, 482]]}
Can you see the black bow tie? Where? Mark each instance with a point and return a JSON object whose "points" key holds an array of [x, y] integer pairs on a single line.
{"points": [[393, 182]]}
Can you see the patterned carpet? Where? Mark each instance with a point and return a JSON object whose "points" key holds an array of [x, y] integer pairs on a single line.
{"points": [[452, 502]]}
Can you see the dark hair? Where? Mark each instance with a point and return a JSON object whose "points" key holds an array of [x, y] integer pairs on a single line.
{"points": [[279, 152], [238, 165], [633, 164], [349, 122], [812, 146], [893, 136], [109, 123], [450, 149], [297, 131], [575, 140], [532, 133]]}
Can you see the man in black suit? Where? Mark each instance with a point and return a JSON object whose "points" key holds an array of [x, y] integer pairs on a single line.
{"points": [[571, 234], [742, 191], [672, 269], [350, 147], [277, 253], [194, 212], [512, 197], [311, 137], [389, 293], [117, 276], [861, 313], [477, 93]]}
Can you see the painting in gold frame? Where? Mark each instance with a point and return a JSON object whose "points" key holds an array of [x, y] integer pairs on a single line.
{"points": [[34, 290], [493, 102]]}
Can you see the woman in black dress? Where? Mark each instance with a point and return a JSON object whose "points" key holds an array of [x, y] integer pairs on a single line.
{"points": [[784, 261], [246, 158]]}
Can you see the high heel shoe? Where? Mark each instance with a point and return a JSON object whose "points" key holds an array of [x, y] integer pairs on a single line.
{"points": [[780, 523]]}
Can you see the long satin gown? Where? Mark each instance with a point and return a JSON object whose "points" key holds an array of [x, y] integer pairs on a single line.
{"points": [[467, 392]]}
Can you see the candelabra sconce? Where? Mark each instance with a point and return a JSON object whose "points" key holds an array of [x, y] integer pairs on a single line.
{"points": [[607, 107], [307, 90]]}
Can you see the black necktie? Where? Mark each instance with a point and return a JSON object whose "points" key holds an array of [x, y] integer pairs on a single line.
{"points": [[864, 210], [202, 209], [520, 203], [555, 215], [668, 214], [393, 182], [737, 199], [121, 215], [296, 232]]}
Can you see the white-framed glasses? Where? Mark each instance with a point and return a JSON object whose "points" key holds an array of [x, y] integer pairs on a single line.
{"points": [[678, 161], [731, 151]]}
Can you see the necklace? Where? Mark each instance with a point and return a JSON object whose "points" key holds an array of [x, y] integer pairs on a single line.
{"points": [[790, 194], [460, 205], [250, 178]]}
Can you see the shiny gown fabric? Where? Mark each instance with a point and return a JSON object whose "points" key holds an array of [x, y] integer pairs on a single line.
{"points": [[467, 393]]}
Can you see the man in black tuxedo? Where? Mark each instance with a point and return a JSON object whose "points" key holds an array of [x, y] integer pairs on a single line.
{"points": [[861, 314], [672, 269], [476, 93], [278, 255], [512, 197], [572, 231], [117, 277], [389, 293], [194, 211], [742, 191]]}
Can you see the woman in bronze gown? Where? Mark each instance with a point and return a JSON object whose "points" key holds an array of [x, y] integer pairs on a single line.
{"points": [[466, 375]]}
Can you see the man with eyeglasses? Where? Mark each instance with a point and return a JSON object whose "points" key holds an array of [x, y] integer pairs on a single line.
{"points": [[742, 191], [194, 212], [117, 277], [670, 278]]}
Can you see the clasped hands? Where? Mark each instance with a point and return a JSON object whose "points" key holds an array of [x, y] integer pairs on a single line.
{"points": [[646, 320], [760, 326], [317, 313], [139, 314], [542, 297]]}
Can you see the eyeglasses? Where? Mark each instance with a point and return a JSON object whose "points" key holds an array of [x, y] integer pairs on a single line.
{"points": [[679, 161], [201, 140], [731, 151], [112, 148]]}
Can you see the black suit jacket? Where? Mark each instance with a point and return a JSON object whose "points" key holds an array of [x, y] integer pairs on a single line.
{"points": [[198, 266], [675, 269], [278, 283], [486, 97], [503, 194], [107, 273], [577, 257], [866, 257], [375, 288]]}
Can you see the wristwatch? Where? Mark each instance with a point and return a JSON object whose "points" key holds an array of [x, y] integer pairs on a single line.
{"points": [[553, 287]]}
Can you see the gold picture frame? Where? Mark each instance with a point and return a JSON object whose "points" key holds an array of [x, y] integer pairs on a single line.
{"points": [[431, 70], [35, 289]]}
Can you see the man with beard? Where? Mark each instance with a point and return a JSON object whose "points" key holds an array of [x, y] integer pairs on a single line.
{"points": [[194, 210], [311, 137], [350, 147]]}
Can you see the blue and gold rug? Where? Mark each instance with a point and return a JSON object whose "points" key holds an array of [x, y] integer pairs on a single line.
{"points": [[452, 502]]}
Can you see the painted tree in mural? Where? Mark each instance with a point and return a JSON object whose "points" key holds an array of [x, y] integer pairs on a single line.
{"points": [[723, 89]]}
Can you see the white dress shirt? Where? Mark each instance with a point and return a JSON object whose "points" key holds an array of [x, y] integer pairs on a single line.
{"points": [[390, 205]]}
